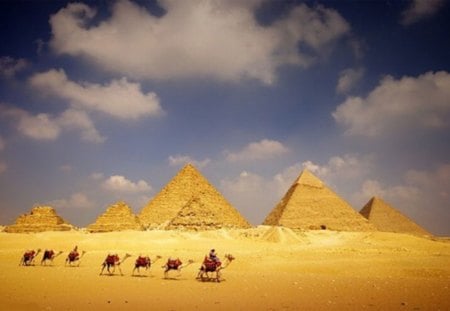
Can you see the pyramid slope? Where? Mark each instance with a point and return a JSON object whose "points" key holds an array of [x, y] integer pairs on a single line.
{"points": [[310, 205], [184, 187], [197, 215], [386, 218], [117, 217], [41, 218]]}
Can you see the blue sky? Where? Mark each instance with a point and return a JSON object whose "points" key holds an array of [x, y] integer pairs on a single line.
{"points": [[107, 100]]}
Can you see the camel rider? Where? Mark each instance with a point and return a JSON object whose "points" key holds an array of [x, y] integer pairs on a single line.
{"points": [[213, 256]]}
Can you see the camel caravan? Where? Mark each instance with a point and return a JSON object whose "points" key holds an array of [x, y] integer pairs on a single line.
{"points": [[190, 203], [210, 270]]}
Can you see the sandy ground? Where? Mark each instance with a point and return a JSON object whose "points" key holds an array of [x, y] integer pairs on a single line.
{"points": [[273, 270]]}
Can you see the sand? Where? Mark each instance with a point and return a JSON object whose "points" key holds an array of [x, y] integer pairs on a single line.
{"points": [[274, 269]]}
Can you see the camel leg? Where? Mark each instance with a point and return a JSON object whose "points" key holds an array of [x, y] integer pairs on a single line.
{"points": [[120, 270], [103, 268]]}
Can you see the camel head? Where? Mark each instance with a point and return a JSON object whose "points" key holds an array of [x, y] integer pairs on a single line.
{"points": [[229, 257]]}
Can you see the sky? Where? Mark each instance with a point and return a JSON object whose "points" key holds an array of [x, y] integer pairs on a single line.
{"points": [[107, 100]]}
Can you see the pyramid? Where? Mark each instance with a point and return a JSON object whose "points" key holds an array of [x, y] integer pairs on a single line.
{"points": [[197, 215], [310, 205], [117, 217], [386, 218], [41, 218], [190, 201]]}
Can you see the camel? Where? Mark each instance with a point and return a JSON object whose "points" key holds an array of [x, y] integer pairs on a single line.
{"points": [[214, 267], [74, 256], [28, 257], [144, 262], [174, 264], [49, 255], [113, 260]]}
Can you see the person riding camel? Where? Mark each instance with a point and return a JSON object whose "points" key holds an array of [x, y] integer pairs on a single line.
{"points": [[213, 256]]}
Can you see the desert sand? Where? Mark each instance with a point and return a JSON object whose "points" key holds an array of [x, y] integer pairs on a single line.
{"points": [[274, 269]]}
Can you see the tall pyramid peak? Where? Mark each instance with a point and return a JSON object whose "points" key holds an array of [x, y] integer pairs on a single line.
{"points": [[41, 218], [307, 178], [310, 204], [117, 217], [386, 218], [184, 191]]}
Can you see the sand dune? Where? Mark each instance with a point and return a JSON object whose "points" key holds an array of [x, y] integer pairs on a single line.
{"points": [[275, 269]]}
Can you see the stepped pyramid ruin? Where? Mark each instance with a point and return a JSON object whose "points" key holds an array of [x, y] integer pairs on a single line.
{"points": [[189, 201], [41, 218], [310, 205], [117, 217], [386, 218]]}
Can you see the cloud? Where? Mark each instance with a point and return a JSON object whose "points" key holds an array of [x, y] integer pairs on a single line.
{"points": [[252, 194], [419, 10], [262, 150], [404, 104], [77, 119], [10, 66], [214, 39], [184, 159], [121, 184], [75, 201], [348, 79], [120, 98], [43, 126]]}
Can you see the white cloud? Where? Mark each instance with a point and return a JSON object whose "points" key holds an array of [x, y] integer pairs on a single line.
{"points": [[121, 184], [348, 166], [253, 195], [405, 104], [40, 127], [44, 126], [184, 159], [10, 66], [218, 39], [262, 150], [75, 201], [120, 98], [420, 9], [348, 79], [77, 119]]}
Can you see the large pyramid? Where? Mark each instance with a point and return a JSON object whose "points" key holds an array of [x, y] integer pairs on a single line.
{"points": [[117, 217], [191, 202], [309, 205], [386, 218], [41, 218]]}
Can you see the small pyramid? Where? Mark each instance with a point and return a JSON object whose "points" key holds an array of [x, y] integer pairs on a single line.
{"points": [[187, 193], [281, 235], [310, 205], [41, 218], [117, 217], [386, 218]]}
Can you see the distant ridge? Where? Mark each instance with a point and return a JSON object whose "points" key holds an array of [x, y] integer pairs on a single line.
{"points": [[41, 218], [190, 202], [386, 218], [117, 217], [310, 205]]}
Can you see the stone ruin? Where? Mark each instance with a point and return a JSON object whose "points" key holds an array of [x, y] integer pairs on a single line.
{"points": [[41, 218], [386, 218], [117, 217], [310, 205], [190, 202]]}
